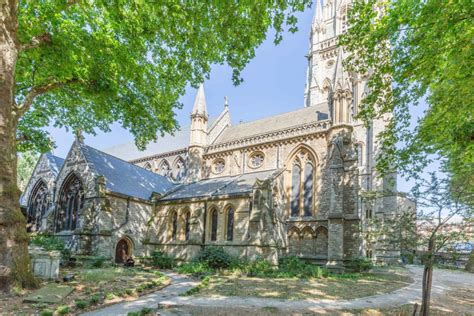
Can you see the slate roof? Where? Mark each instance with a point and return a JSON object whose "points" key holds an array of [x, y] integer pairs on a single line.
{"points": [[126, 178], [55, 161], [129, 151], [269, 124], [230, 185]]}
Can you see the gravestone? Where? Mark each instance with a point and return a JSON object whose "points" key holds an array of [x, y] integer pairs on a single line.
{"points": [[45, 264], [51, 293]]}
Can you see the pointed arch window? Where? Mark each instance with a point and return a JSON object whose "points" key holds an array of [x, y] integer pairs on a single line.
{"points": [[230, 224], [38, 204], [187, 225], [174, 225], [180, 169], [71, 202], [302, 185], [214, 225], [165, 168]]}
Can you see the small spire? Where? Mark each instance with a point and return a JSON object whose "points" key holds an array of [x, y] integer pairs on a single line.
{"points": [[200, 102], [226, 101], [318, 18], [339, 73]]}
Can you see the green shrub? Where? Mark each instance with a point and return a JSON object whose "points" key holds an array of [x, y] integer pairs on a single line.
{"points": [[109, 296], [195, 268], [129, 291], [82, 304], [47, 242], [133, 314], [161, 260], [63, 310], [215, 257], [146, 311], [95, 299], [46, 312], [257, 268], [98, 262], [140, 289], [360, 264]]}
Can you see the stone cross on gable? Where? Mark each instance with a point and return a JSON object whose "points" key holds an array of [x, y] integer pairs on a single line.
{"points": [[226, 101]]}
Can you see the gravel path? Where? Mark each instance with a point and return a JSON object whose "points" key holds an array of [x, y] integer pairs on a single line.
{"points": [[169, 296]]}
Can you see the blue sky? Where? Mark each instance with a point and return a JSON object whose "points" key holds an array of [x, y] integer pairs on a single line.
{"points": [[273, 83]]}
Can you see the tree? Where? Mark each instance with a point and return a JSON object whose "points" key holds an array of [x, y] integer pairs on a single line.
{"points": [[415, 50], [26, 164], [441, 220], [84, 64]]}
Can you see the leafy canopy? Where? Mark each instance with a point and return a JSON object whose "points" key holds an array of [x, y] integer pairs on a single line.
{"points": [[87, 63], [414, 50]]}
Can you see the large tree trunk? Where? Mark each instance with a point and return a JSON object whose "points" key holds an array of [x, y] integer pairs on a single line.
{"points": [[14, 258]]}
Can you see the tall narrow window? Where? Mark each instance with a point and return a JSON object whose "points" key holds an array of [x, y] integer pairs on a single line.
{"points": [[71, 202], [174, 226], [308, 189], [187, 225], [295, 190], [214, 225], [230, 224], [37, 206]]}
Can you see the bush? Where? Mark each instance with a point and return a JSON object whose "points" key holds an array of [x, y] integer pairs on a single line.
{"points": [[109, 296], [98, 262], [195, 268], [63, 310], [47, 242], [82, 304], [294, 267], [161, 260], [46, 312], [95, 299], [360, 264], [215, 257], [129, 291]]}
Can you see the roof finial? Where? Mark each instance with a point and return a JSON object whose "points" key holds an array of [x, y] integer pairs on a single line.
{"points": [[226, 101], [78, 135]]}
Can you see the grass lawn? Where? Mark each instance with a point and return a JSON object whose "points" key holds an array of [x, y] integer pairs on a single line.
{"points": [[93, 288], [335, 287]]}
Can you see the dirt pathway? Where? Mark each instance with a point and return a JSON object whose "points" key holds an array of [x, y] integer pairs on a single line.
{"points": [[444, 280]]}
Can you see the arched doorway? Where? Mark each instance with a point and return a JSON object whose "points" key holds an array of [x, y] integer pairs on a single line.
{"points": [[123, 250]]}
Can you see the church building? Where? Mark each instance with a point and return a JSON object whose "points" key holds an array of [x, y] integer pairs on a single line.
{"points": [[288, 184]]}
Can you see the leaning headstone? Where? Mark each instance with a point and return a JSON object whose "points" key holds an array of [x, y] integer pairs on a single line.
{"points": [[45, 264]]}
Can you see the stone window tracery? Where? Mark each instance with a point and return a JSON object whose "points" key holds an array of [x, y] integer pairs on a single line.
{"points": [[71, 202], [147, 166], [37, 206], [218, 166], [302, 185], [256, 159], [180, 169], [230, 224], [187, 225], [165, 168]]}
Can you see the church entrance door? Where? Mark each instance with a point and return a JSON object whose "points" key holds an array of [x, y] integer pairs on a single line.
{"points": [[122, 251]]}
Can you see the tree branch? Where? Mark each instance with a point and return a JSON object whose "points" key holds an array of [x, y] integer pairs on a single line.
{"points": [[39, 90], [36, 41]]}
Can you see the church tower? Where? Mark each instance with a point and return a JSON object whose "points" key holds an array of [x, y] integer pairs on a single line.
{"points": [[198, 137]]}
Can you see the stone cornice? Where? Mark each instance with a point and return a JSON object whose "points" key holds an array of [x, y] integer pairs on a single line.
{"points": [[273, 136]]}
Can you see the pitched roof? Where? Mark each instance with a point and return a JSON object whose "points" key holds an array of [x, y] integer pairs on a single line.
{"points": [[56, 162], [126, 178], [230, 185], [269, 124], [167, 143]]}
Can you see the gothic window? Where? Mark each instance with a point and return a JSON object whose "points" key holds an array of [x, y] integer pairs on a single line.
{"points": [[256, 160], [308, 189], [230, 224], [214, 225], [71, 202], [174, 225], [180, 169], [295, 190], [187, 225], [218, 166], [359, 154], [147, 166], [37, 206], [165, 168], [302, 185]]}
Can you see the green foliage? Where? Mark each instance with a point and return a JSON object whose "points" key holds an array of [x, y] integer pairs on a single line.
{"points": [[46, 312], [204, 283], [215, 257], [95, 299], [96, 62], [98, 262], [81, 304], [360, 264], [161, 260], [63, 310], [109, 296], [26, 164], [195, 268], [47, 242], [397, 48], [129, 291]]}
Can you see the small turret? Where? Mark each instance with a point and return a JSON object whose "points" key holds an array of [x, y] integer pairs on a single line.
{"points": [[198, 139]]}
